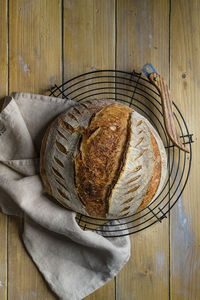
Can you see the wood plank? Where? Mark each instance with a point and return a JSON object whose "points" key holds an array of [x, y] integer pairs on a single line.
{"points": [[3, 92], [3, 256], [142, 36], [185, 88], [24, 279], [35, 65], [89, 36], [107, 291], [89, 44], [3, 49], [35, 45]]}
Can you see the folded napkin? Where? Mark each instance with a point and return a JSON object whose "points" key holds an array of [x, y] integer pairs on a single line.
{"points": [[74, 262]]}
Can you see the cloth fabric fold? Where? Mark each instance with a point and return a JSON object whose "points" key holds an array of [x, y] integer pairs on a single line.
{"points": [[74, 262]]}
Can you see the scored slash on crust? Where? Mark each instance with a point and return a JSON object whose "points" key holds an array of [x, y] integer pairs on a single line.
{"points": [[124, 209], [132, 190], [141, 131], [127, 201], [133, 179], [139, 141], [141, 153], [84, 105], [62, 185], [62, 194], [58, 162], [61, 135], [136, 169], [67, 127], [139, 123], [61, 148], [72, 117], [76, 111], [57, 173], [124, 215]]}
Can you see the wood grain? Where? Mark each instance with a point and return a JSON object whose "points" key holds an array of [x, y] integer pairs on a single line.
{"points": [[35, 56], [35, 45], [24, 279], [89, 36], [105, 292], [142, 36], [35, 64], [185, 88], [89, 44], [3, 92], [3, 49], [3, 256]]}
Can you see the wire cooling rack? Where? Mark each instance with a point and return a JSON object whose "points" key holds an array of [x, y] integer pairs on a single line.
{"points": [[137, 92]]}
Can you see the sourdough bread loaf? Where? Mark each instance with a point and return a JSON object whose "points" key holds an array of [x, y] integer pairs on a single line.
{"points": [[102, 159]]}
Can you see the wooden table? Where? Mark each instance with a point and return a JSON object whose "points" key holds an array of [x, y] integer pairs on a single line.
{"points": [[45, 42]]}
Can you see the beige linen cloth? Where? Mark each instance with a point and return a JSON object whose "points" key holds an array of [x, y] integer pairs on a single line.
{"points": [[74, 262]]}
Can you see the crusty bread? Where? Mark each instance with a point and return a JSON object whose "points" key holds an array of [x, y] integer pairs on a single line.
{"points": [[102, 159]]}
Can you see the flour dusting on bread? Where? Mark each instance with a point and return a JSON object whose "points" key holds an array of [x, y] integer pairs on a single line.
{"points": [[101, 158]]}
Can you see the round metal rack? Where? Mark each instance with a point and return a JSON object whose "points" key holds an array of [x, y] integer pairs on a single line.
{"points": [[137, 92]]}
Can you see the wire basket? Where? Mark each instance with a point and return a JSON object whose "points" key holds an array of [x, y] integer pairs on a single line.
{"points": [[137, 92]]}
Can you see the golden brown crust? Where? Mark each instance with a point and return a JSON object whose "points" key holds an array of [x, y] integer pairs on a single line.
{"points": [[98, 164], [101, 153], [155, 179]]}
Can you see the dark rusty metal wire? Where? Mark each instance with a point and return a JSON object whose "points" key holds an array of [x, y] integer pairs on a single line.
{"points": [[137, 92]]}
